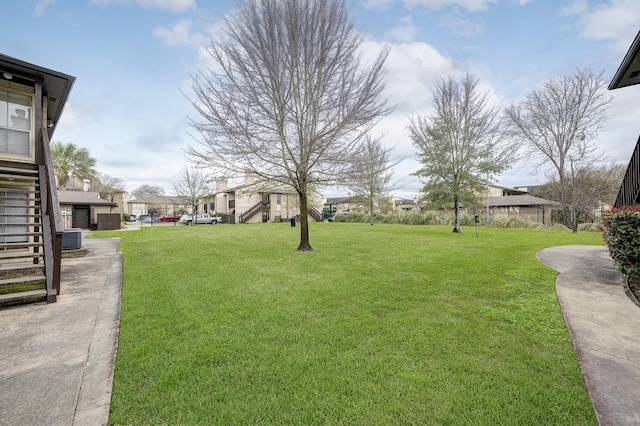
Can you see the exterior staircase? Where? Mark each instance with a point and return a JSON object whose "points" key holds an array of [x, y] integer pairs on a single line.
{"points": [[22, 252], [255, 209], [315, 214], [629, 193]]}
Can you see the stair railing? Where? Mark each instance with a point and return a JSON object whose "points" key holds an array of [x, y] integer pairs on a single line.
{"points": [[315, 214], [52, 229], [245, 216]]}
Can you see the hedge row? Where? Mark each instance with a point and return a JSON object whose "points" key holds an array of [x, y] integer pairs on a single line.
{"points": [[437, 218]]}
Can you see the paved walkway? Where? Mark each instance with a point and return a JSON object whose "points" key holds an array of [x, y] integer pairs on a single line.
{"points": [[605, 327], [56, 360]]}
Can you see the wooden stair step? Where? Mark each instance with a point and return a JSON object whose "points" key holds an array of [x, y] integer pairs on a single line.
{"points": [[31, 296], [22, 279], [16, 266], [18, 245], [20, 191], [21, 176], [22, 234], [19, 255], [31, 170]]}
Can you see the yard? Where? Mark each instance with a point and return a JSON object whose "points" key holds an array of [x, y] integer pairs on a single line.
{"points": [[388, 324]]}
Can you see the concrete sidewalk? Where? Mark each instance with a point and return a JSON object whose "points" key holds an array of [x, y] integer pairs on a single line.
{"points": [[56, 360], [605, 327]]}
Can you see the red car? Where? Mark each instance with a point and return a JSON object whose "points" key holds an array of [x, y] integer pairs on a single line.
{"points": [[169, 218]]}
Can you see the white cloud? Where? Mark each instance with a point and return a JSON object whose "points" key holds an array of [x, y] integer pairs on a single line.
{"points": [[41, 5], [617, 20], [179, 34], [72, 117], [166, 5], [377, 4], [470, 5], [461, 26], [576, 8], [405, 31], [412, 70]]}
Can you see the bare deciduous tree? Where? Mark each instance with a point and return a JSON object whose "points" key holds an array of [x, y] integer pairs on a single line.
{"points": [[372, 173], [189, 185], [589, 187], [461, 144], [290, 98], [149, 189], [558, 124], [107, 185]]}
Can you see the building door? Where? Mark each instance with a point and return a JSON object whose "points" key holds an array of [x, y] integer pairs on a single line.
{"points": [[80, 217]]}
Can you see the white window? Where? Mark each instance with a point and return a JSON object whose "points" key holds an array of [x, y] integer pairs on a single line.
{"points": [[15, 124]]}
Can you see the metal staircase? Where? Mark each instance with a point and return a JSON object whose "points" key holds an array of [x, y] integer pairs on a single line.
{"points": [[22, 253], [315, 214], [629, 193]]}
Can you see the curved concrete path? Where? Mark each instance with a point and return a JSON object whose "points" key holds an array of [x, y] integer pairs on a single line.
{"points": [[605, 327]]}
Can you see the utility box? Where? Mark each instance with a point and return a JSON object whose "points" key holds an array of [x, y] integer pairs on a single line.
{"points": [[72, 239]]}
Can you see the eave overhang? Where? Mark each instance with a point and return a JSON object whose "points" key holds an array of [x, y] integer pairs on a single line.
{"points": [[628, 72], [56, 85]]}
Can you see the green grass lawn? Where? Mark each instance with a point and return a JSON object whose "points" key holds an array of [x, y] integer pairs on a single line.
{"points": [[388, 324]]}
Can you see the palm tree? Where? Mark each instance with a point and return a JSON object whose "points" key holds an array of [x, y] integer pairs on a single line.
{"points": [[68, 160]]}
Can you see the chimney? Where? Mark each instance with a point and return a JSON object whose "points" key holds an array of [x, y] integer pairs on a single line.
{"points": [[249, 177], [221, 185]]}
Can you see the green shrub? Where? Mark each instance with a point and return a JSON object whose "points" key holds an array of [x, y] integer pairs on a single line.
{"points": [[559, 227], [622, 236], [514, 222], [590, 227]]}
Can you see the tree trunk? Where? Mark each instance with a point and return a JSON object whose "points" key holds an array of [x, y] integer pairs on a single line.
{"points": [[371, 211], [456, 215], [304, 223]]}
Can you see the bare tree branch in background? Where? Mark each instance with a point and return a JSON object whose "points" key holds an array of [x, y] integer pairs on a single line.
{"points": [[107, 185], [461, 144], [149, 189], [290, 98], [558, 124], [590, 187], [189, 185], [372, 173]]}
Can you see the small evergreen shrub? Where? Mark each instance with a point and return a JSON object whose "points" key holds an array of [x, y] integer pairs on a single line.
{"points": [[559, 227], [590, 227], [622, 236]]}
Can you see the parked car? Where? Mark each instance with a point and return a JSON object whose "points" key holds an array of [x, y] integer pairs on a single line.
{"points": [[170, 218], [199, 219], [150, 219], [132, 218]]}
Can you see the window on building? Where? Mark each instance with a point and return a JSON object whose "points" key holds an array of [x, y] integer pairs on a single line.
{"points": [[15, 124], [212, 206], [278, 198]]}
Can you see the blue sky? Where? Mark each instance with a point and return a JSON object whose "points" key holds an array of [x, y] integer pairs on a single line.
{"points": [[133, 59]]}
